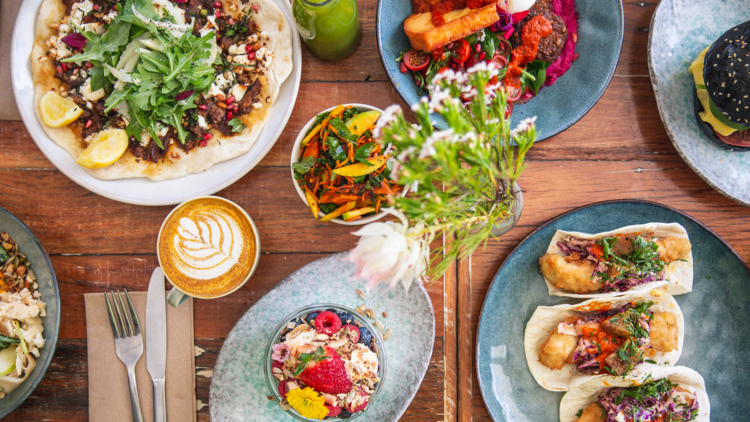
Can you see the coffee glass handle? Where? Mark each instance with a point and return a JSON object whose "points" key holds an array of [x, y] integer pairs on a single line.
{"points": [[176, 297]]}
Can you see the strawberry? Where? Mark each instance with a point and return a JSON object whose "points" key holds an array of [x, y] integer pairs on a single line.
{"points": [[325, 372], [352, 332], [333, 410]]}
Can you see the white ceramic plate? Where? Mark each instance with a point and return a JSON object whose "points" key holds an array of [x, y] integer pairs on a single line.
{"points": [[296, 153], [142, 191]]}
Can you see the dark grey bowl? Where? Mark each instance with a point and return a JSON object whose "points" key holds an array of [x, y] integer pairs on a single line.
{"points": [[717, 313], [600, 31], [45, 274]]}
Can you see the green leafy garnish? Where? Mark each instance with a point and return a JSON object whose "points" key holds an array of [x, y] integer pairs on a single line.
{"points": [[335, 149], [237, 125], [535, 75], [364, 152], [5, 342], [3, 256], [304, 165], [342, 131], [304, 358]]}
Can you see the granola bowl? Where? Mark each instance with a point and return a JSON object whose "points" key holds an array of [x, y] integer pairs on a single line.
{"points": [[350, 362]]}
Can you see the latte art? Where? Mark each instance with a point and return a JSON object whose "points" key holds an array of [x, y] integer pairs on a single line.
{"points": [[207, 247]]}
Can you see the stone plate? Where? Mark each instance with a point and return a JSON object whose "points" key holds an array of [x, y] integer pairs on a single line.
{"points": [[680, 30], [717, 313], [600, 31], [45, 274], [238, 387]]}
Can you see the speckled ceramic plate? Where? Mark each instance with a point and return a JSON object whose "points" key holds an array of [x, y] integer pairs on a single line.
{"points": [[600, 31], [717, 315], [238, 387], [45, 274], [680, 30]]}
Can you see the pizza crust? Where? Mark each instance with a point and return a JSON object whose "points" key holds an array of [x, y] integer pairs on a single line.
{"points": [[177, 163]]}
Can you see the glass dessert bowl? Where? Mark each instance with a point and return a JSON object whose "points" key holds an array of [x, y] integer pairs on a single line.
{"points": [[325, 362]]}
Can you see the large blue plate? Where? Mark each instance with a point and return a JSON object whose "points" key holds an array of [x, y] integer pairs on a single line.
{"points": [[600, 29], [680, 30], [717, 315], [45, 274]]}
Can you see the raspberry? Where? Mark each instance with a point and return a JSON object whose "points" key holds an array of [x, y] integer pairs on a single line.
{"points": [[352, 334], [327, 323], [277, 364], [333, 410], [282, 387]]}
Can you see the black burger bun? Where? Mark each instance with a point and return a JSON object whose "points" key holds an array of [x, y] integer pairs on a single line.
{"points": [[739, 145], [727, 74]]}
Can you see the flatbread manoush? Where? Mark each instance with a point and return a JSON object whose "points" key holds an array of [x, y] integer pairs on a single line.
{"points": [[629, 259], [654, 393], [155, 88], [566, 345]]}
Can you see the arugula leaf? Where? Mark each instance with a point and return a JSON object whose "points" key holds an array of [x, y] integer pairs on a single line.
{"points": [[363, 153], [304, 165], [99, 49], [237, 125], [535, 75]]}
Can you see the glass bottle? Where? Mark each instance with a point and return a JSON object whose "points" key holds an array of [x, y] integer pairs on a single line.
{"points": [[330, 28]]}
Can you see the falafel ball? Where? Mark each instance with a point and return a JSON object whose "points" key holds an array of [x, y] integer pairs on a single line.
{"points": [[550, 46]]}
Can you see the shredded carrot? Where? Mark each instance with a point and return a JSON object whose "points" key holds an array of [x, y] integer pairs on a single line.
{"points": [[377, 206], [354, 218]]}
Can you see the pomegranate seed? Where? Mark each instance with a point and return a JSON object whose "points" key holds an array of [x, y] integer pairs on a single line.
{"points": [[207, 136], [229, 100], [575, 57], [477, 48], [230, 114], [96, 7], [251, 55], [482, 55], [403, 67], [218, 14], [255, 8], [248, 48], [575, 37], [59, 69], [89, 122], [231, 21], [203, 143], [217, 4], [64, 66], [202, 107], [235, 108]]}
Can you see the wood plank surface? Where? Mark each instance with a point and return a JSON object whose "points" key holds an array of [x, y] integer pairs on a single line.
{"points": [[619, 150]]}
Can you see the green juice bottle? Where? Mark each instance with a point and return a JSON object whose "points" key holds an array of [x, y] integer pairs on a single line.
{"points": [[329, 28]]}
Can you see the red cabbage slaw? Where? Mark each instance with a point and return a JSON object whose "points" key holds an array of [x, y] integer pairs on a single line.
{"points": [[586, 352], [582, 247], [671, 402]]}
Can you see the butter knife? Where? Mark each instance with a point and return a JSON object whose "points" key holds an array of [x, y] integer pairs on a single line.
{"points": [[156, 341]]}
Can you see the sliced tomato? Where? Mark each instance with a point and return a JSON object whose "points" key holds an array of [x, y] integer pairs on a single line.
{"points": [[499, 60], [416, 60], [461, 50], [515, 95], [443, 69], [438, 54]]}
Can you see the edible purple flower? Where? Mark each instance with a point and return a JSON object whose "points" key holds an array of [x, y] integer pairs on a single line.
{"points": [[280, 352], [505, 22]]}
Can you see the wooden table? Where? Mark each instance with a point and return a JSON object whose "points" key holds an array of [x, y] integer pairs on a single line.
{"points": [[619, 150]]}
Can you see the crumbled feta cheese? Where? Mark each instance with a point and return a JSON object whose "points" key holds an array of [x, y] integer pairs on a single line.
{"points": [[202, 122], [252, 39], [260, 53], [145, 138], [90, 95], [162, 132], [257, 105], [221, 84], [79, 10], [267, 59], [95, 27], [264, 36], [242, 59], [109, 17], [237, 49], [62, 49], [238, 91], [210, 26], [52, 41]]}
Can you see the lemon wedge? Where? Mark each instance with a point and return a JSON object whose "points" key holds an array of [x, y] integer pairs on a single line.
{"points": [[104, 149], [58, 111]]}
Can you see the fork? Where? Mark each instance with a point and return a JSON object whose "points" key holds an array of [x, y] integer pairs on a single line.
{"points": [[128, 342]]}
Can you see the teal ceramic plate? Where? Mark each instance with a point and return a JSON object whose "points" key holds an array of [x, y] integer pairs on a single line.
{"points": [[600, 31], [45, 274], [680, 30], [238, 386], [717, 315]]}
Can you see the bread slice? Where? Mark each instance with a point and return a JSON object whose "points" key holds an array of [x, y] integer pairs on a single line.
{"points": [[458, 24]]}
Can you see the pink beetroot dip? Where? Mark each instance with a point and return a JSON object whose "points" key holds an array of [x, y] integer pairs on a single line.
{"points": [[566, 9]]}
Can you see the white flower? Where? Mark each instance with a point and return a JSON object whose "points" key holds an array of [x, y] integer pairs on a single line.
{"points": [[523, 126], [428, 148], [439, 95], [389, 115], [390, 252]]}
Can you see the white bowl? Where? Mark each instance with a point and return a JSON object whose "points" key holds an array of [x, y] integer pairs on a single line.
{"points": [[295, 158]]}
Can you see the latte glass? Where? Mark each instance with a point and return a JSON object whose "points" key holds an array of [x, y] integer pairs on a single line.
{"points": [[208, 248]]}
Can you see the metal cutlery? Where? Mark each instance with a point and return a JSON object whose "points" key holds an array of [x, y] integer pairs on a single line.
{"points": [[156, 341], [128, 342]]}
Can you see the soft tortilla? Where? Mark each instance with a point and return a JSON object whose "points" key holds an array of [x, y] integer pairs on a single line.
{"points": [[177, 163], [547, 318], [679, 274], [583, 395]]}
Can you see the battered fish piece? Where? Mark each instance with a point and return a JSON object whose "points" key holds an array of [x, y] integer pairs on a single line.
{"points": [[593, 413], [663, 334], [673, 248], [557, 350], [571, 275]]}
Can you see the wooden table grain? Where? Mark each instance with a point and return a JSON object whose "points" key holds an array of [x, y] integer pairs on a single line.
{"points": [[620, 150]]}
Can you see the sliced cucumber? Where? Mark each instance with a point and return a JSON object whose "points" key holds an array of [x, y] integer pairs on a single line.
{"points": [[7, 361]]}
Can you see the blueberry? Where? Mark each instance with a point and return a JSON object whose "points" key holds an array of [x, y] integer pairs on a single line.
{"points": [[345, 414], [310, 318], [345, 317], [364, 336]]}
